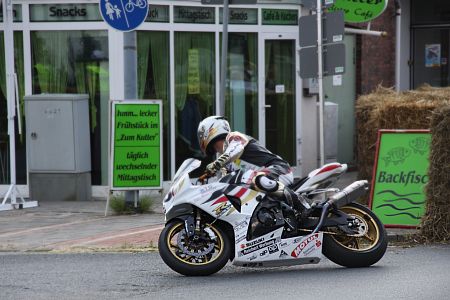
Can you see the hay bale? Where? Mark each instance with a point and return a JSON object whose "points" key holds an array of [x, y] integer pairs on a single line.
{"points": [[436, 222], [387, 109]]}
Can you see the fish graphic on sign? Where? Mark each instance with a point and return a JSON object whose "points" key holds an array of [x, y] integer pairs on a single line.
{"points": [[420, 145], [396, 155]]}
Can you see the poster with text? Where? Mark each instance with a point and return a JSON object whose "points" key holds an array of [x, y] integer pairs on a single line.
{"points": [[400, 175], [136, 154]]}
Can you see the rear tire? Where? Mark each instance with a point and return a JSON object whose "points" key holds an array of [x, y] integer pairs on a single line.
{"points": [[361, 251], [171, 250]]}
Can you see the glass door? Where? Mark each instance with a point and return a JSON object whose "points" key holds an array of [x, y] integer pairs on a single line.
{"points": [[278, 96]]}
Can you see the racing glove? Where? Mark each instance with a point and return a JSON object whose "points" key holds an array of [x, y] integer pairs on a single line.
{"points": [[219, 163]]}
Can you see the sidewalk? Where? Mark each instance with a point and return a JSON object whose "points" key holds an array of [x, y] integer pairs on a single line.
{"points": [[77, 226], [82, 226]]}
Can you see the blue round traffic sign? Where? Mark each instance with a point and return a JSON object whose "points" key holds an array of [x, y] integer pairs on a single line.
{"points": [[124, 15]]}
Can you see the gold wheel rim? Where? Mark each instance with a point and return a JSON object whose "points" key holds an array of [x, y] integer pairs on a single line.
{"points": [[172, 244], [364, 242]]}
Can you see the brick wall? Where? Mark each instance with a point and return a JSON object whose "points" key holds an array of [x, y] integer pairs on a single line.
{"points": [[376, 55]]}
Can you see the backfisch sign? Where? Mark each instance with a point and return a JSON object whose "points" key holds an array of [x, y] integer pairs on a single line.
{"points": [[400, 176], [358, 11]]}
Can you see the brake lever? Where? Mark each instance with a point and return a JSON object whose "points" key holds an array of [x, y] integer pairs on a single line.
{"points": [[204, 178]]}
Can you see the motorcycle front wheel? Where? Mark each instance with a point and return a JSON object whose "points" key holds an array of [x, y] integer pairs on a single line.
{"points": [[359, 250], [203, 254]]}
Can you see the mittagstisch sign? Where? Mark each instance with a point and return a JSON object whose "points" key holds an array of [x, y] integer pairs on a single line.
{"points": [[136, 145]]}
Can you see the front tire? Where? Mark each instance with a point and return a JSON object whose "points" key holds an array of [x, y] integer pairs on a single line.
{"points": [[201, 257], [362, 250]]}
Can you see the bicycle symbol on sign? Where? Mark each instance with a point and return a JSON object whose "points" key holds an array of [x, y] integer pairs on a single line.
{"points": [[129, 7]]}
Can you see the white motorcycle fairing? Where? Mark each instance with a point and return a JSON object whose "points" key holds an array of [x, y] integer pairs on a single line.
{"points": [[214, 199]]}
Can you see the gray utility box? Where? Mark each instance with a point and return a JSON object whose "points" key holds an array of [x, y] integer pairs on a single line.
{"points": [[330, 120], [58, 146]]}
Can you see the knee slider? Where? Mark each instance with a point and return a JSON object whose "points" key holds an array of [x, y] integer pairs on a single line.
{"points": [[264, 183]]}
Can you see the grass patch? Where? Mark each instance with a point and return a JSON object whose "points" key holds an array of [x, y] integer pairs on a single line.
{"points": [[120, 207]]}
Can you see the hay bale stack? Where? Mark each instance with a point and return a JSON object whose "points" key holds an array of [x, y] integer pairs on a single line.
{"points": [[436, 222], [387, 109]]}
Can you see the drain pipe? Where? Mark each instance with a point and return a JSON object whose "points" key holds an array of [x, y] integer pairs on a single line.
{"points": [[398, 20]]}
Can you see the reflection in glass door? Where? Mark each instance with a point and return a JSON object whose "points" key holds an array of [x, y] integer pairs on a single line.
{"points": [[431, 54], [279, 86], [194, 91]]}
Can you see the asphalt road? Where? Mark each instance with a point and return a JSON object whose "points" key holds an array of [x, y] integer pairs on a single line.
{"points": [[421, 272]]}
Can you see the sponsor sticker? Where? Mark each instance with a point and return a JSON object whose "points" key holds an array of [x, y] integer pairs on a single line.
{"points": [[283, 254], [241, 225], [298, 250], [272, 249], [284, 244], [240, 238], [257, 247]]}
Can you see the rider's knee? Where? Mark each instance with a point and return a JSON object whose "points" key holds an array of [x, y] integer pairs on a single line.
{"points": [[266, 184]]}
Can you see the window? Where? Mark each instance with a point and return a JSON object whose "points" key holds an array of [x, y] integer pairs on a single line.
{"points": [[77, 62], [154, 81], [21, 168], [241, 99]]}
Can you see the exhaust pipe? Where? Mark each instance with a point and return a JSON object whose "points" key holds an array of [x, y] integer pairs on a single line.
{"points": [[349, 194], [344, 197]]}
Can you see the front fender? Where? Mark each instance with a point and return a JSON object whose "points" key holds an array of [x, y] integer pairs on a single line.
{"points": [[179, 210]]}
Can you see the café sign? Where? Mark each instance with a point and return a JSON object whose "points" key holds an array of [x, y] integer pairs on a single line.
{"points": [[359, 11]]}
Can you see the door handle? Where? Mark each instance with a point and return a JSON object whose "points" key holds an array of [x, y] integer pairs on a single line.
{"points": [[267, 106]]}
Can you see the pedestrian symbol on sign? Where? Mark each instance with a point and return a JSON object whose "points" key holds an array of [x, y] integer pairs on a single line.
{"points": [[124, 15]]}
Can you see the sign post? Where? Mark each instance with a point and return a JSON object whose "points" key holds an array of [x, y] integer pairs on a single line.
{"points": [[135, 145], [127, 16], [400, 175], [313, 41]]}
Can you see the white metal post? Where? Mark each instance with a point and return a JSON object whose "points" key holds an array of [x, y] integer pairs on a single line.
{"points": [[11, 88], [320, 80], [223, 73]]}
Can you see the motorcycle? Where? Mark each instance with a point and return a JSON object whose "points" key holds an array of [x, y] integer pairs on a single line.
{"points": [[209, 224]]}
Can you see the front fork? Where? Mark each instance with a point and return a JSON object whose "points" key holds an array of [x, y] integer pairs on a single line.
{"points": [[192, 224]]}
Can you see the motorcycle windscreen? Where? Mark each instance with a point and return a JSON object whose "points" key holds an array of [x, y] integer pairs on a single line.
{"points": [[187, 166]]}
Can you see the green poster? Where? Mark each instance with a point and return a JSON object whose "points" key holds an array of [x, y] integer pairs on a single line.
{"points": [[401, 173], [136, 144]]}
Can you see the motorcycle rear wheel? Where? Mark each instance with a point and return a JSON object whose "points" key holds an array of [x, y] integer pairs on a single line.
{"points": [[174, 246], [362, 250]]}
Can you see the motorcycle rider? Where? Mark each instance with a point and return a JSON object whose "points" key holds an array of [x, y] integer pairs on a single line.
{"points": [[275, 174]]}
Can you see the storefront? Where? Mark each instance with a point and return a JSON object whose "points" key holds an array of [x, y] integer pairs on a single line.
{"points": [[67, 48], [422, 43]]}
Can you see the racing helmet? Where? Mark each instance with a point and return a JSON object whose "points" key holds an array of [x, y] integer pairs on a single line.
{"points": [[210, 130]]}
